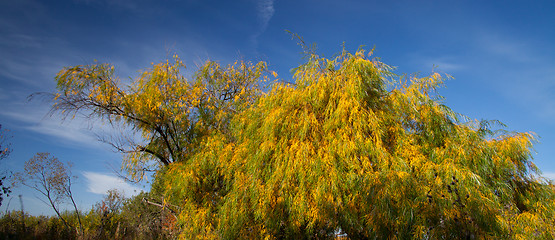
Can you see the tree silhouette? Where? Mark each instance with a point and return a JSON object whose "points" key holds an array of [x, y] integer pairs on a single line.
{"points": [[5, 150]]}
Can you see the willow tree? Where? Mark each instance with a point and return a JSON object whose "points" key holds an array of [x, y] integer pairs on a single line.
{"points": [[166, 115], [351, 149]]}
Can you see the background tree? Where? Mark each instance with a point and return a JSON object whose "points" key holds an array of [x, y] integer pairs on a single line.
{"points": [[5, 150], [104, 219], [146, 221], [52, 179]]}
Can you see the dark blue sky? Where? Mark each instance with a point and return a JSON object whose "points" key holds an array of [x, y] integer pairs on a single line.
{"points": [[501, 54]]}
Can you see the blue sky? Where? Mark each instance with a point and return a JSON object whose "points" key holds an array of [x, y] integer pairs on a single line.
{"points": [[501, 54]]}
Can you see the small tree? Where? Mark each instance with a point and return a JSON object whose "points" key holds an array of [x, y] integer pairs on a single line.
{"points": [[108, 215], [52, 178], [112, 202], [5, 150]]}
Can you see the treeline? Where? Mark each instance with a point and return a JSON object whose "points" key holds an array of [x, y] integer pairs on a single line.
{"points": [[113, 218]]}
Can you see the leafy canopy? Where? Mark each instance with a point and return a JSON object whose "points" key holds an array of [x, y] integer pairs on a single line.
{"points": [[170, 113], [349, 148]]}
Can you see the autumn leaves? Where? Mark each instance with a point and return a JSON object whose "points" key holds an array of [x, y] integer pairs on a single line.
{"points": [[348, 148]]}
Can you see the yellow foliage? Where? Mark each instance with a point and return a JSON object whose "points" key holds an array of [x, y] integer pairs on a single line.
{"points": [[348, 148], [170, 113]]}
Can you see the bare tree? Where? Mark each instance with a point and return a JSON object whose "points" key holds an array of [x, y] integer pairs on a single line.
{"points": [[52, 178], [5, 150]]}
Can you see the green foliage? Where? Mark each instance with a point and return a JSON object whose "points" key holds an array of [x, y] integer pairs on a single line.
{"points": [[113, 218], [16, 225], [104, 220], [148, 221]]}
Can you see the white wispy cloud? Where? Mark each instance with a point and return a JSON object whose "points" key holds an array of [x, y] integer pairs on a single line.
{"points": [[549, 175], [265, 12], [99, 183], [35, 118], [517, 68], [508, 47], [441, 64], [125, 4], [21, 40]]}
